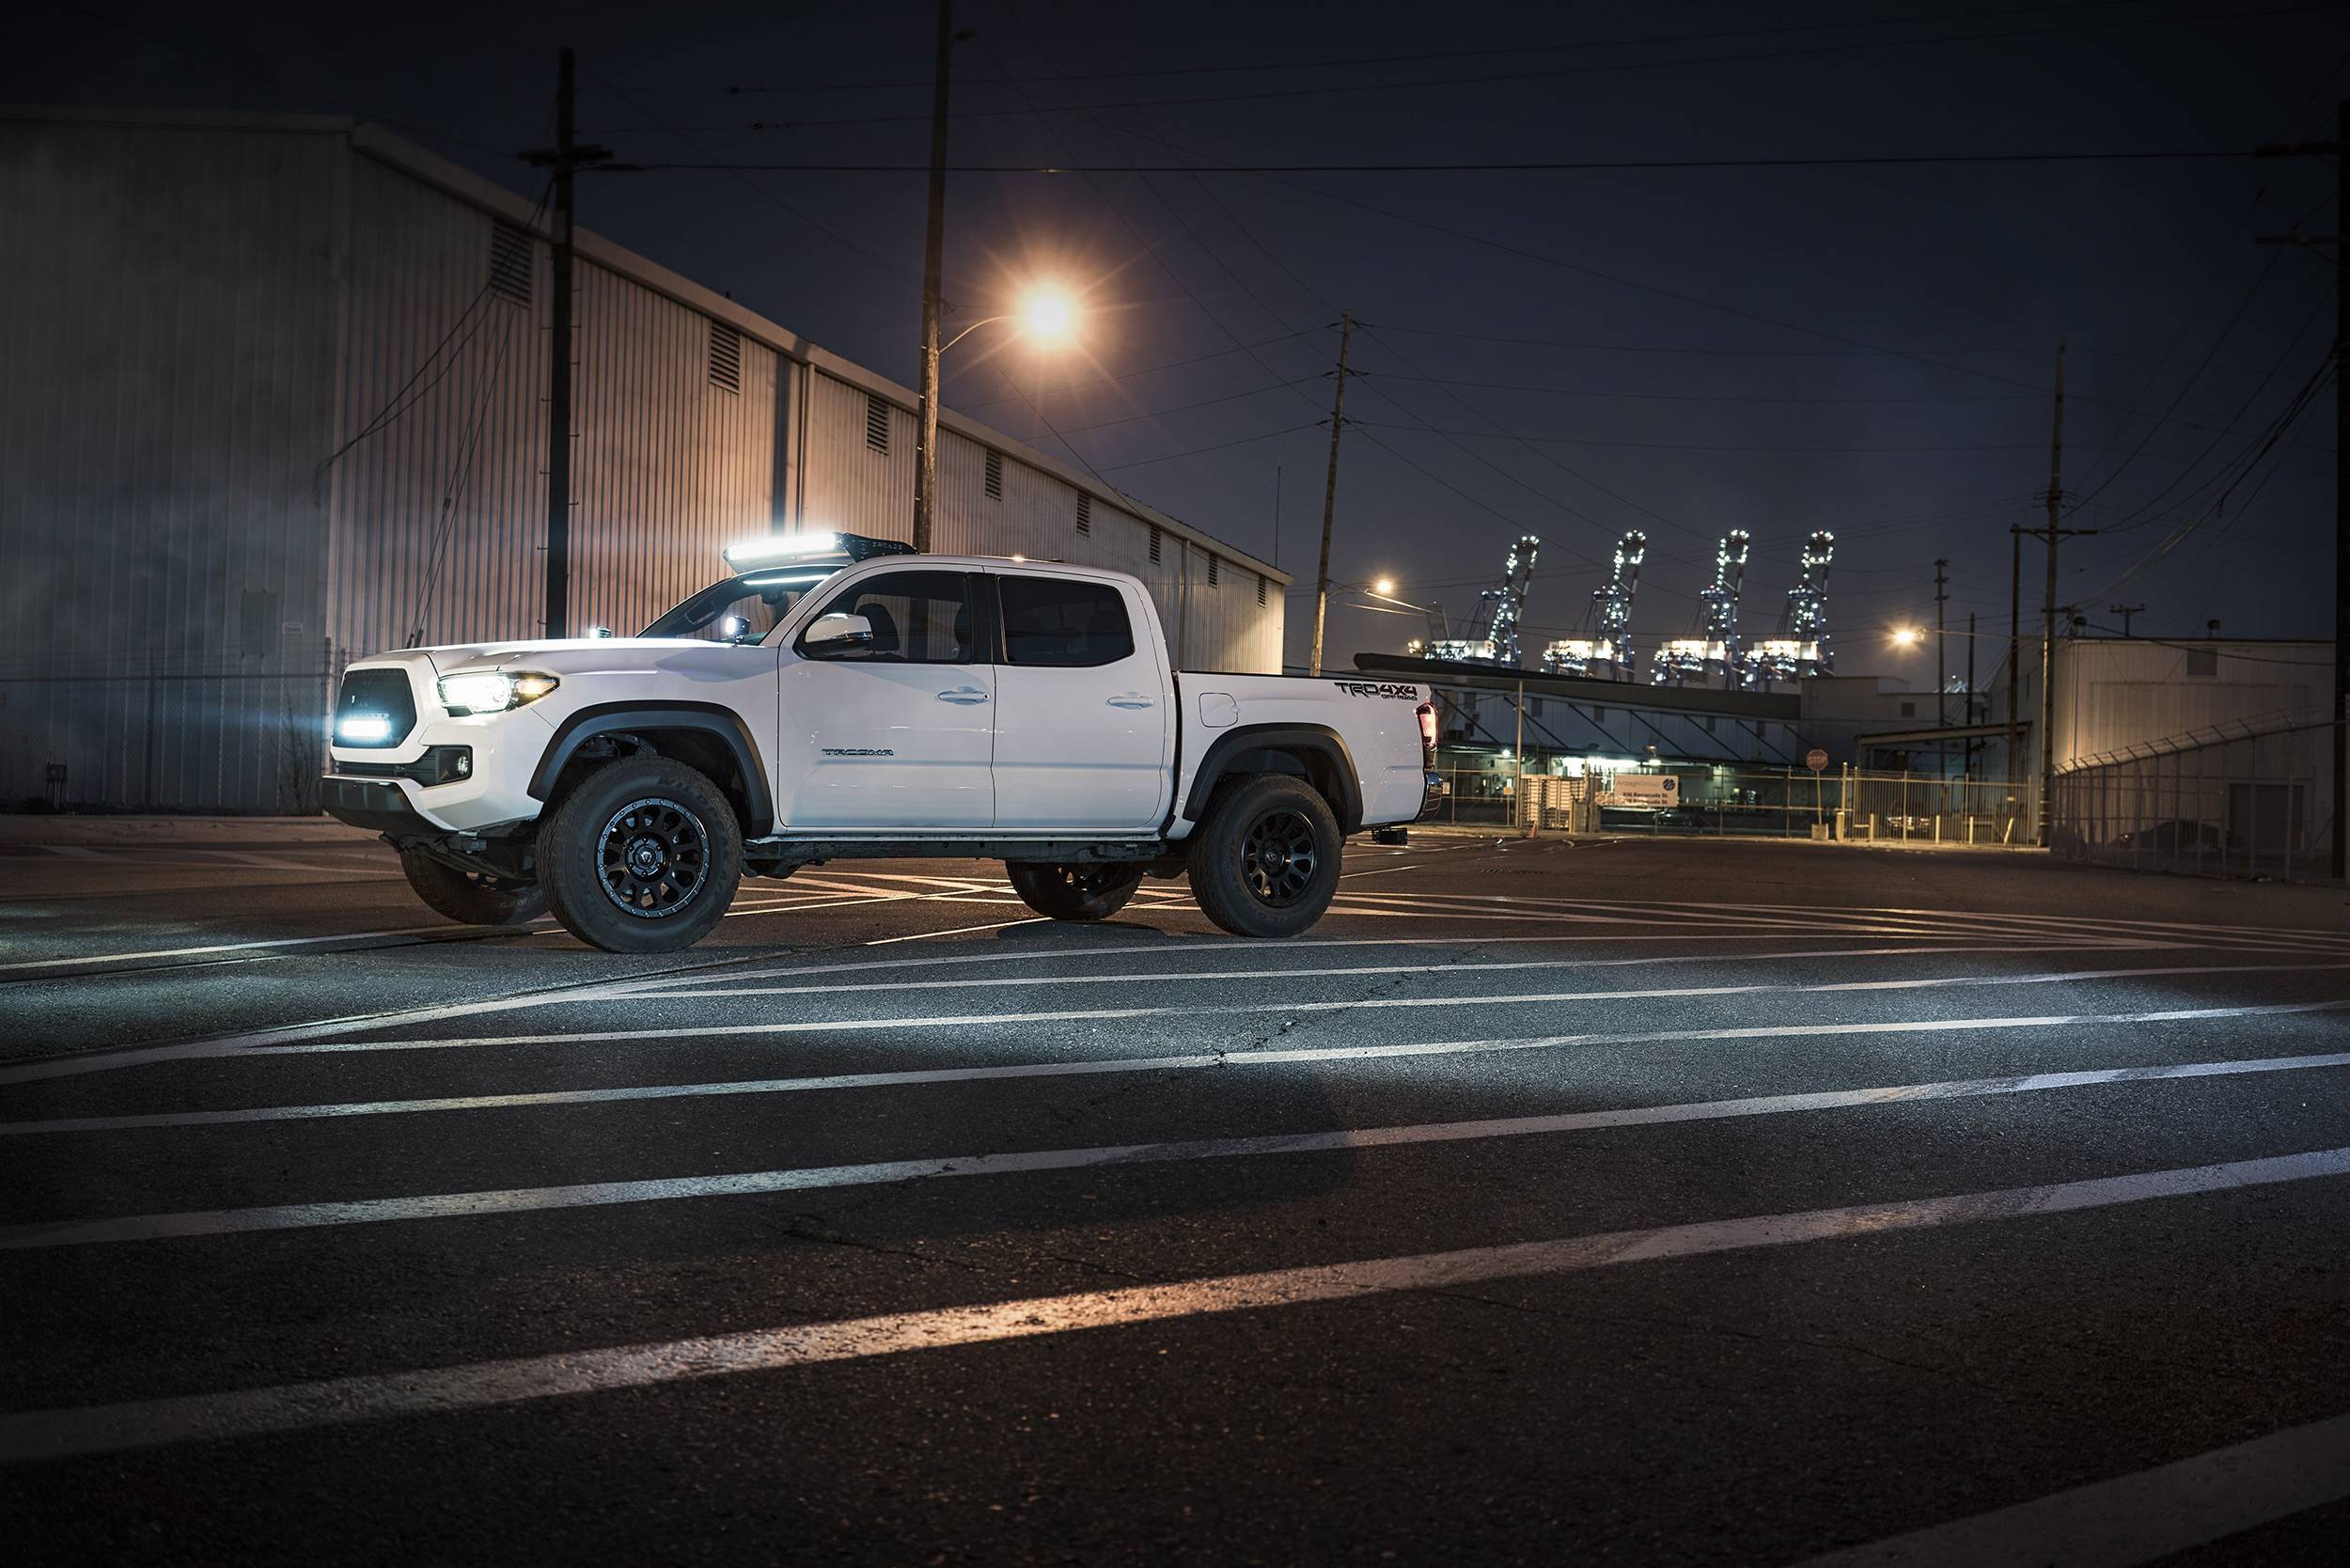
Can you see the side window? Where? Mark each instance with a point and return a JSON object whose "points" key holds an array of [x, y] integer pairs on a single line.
{"points": [[1057, 622], [918, 618]]}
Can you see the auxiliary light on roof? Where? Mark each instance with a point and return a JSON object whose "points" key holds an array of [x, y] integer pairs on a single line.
{"points": [[790, 547]]}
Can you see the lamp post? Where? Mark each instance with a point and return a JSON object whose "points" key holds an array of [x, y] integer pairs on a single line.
{"points": [[1047, 316]]}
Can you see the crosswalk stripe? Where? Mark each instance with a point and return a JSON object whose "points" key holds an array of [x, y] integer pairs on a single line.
{"points": [[41, 1434]]}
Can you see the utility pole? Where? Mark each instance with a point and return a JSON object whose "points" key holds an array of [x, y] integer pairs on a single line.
{"points": [[1968, 770], [2126, 612], [933, 266], [566, 158], [1331, 494], [2339, 150], [1941, 666], [2014, 651]]}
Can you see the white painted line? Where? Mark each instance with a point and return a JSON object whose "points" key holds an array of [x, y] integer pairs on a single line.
{"points": [[921, 937], [1187, 947], [2135, 1518], [441, 929], [467, 1205], [37, 1435], [1152, 977], [673, 1032]]}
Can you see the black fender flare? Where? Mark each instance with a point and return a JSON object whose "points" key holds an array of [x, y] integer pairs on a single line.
{"points": [[723, 724], [1224, 754]]}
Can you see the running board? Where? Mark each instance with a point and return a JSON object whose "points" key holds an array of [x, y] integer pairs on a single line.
{"points": [[776, 856]]}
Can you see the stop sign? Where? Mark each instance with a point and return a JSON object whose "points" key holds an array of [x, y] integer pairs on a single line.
{"points": [[1815, 759]]}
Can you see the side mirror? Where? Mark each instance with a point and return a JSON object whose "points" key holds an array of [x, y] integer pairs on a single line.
{"points": [[732, 626], [837, 633], [599, 631]]}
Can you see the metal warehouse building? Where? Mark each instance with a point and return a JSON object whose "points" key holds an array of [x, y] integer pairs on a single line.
{"points": [[273, 397]]}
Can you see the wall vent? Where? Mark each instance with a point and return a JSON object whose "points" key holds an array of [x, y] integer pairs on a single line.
{"points": [[995, 480], [511, 255], [1212, 571], [876, 423], [725, 357], [1154, 541], [2202, 663], [1260, 588]]}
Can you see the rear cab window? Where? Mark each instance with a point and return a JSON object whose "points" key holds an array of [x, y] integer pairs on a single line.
{"points": [[1066, 623]]}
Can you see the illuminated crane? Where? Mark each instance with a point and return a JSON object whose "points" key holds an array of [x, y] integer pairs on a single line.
{"points": [[1607, 655], [1713, 656], [1802, 649], [1493, 633]]}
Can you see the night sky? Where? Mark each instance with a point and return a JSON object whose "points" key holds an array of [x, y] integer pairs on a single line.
{"points": [[1568, 354]]}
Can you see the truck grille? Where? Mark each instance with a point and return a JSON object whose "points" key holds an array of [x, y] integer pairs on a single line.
{"points": [[374, 709]]}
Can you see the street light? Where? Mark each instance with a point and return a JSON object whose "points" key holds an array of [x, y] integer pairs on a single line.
{"points": [[1907, 636], [1384, 587], [1049, 315]]}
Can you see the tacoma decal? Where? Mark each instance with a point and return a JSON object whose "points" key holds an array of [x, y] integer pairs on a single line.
{"points": [[859, 751], [1378, 689]]}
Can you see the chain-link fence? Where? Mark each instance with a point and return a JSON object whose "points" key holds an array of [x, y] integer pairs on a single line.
{"points": [[1703, 799], [2254, 799]]}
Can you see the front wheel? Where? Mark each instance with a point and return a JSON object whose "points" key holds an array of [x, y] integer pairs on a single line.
{"points": [[643, 856], [470, 898], [1265, 863], [1061, 892]]}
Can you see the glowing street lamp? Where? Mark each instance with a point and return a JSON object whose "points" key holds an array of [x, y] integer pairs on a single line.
{"points": [[1047, 315], [1384, 587], [1907, 636]]}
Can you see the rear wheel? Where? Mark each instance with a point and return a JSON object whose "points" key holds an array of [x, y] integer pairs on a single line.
{"points": [[1066, 892], [471, 898], [643, 856], [1265, 862]]}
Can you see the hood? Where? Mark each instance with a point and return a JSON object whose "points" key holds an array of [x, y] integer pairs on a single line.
{"points": [[556, 656]]}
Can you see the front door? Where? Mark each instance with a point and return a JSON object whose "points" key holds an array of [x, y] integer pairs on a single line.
{"points": [[1083, 736], [896, 733]]}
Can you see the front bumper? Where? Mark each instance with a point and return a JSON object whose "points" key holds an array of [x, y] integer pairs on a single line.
{"points": [[375, 806]]}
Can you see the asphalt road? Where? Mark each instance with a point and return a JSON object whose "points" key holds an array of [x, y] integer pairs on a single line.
{"points": [[1614, 1201]]}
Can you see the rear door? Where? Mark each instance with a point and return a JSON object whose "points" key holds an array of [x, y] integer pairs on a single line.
{"points": [[896, 733], [1084, 724]]}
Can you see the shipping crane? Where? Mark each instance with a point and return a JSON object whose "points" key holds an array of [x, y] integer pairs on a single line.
{"points": [[1712, 656], [1607, 655], [1802, 647], [1493, 633]]}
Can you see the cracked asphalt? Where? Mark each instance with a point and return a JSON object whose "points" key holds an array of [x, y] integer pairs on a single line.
{"points": [[1614, 1200]]}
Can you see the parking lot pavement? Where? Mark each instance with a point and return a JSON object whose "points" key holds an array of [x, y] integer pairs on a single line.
{"points": [[1614, 1200]]}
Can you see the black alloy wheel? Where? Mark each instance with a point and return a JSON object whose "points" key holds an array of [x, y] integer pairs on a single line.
{"points": [[1280, 855], [652, 858]]}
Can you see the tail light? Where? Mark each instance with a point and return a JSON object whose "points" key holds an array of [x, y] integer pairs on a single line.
{"points": [[1428, 734]]}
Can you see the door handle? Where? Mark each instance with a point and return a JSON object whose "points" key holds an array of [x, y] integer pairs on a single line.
{"points": [[967, 696], [1132, 700]]}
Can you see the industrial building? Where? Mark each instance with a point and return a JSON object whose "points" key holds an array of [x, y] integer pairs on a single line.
{"points": [[276, 398]]}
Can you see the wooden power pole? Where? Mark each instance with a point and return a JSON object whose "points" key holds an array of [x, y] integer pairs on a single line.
{"points": [[2339, 763], [566, 158], [933, 268], [1330, 494], [1941, 666]]}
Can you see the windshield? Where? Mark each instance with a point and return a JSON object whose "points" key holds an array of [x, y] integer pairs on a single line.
{"points": [[742, 609]]}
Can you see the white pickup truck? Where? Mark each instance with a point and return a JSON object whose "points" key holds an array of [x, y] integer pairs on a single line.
{"points": [[836, 697]]}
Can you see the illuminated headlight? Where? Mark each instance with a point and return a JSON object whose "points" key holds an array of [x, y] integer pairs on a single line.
{"points": [[362, 728], [492, 691]]}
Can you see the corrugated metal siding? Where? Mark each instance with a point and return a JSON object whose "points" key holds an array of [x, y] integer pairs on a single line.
{"points": [[1221, 628], [441, 516], [440, 499], [846, 484], [169, 343]]}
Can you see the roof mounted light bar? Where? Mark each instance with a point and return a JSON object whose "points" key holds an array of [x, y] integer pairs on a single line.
{"points": [[812, 546]]}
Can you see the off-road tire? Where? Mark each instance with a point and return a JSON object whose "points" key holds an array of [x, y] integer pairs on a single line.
{"points": [[1074, 892], [471, 898], [643, 856], [1265, 862]]}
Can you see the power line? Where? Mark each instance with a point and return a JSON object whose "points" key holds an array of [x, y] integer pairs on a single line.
{"points": [[1217, 447], [1547, 73], [1553, 167], [1328, 63]]}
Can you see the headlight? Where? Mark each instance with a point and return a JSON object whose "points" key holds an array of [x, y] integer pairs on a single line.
{"points": [[492, 691]]}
